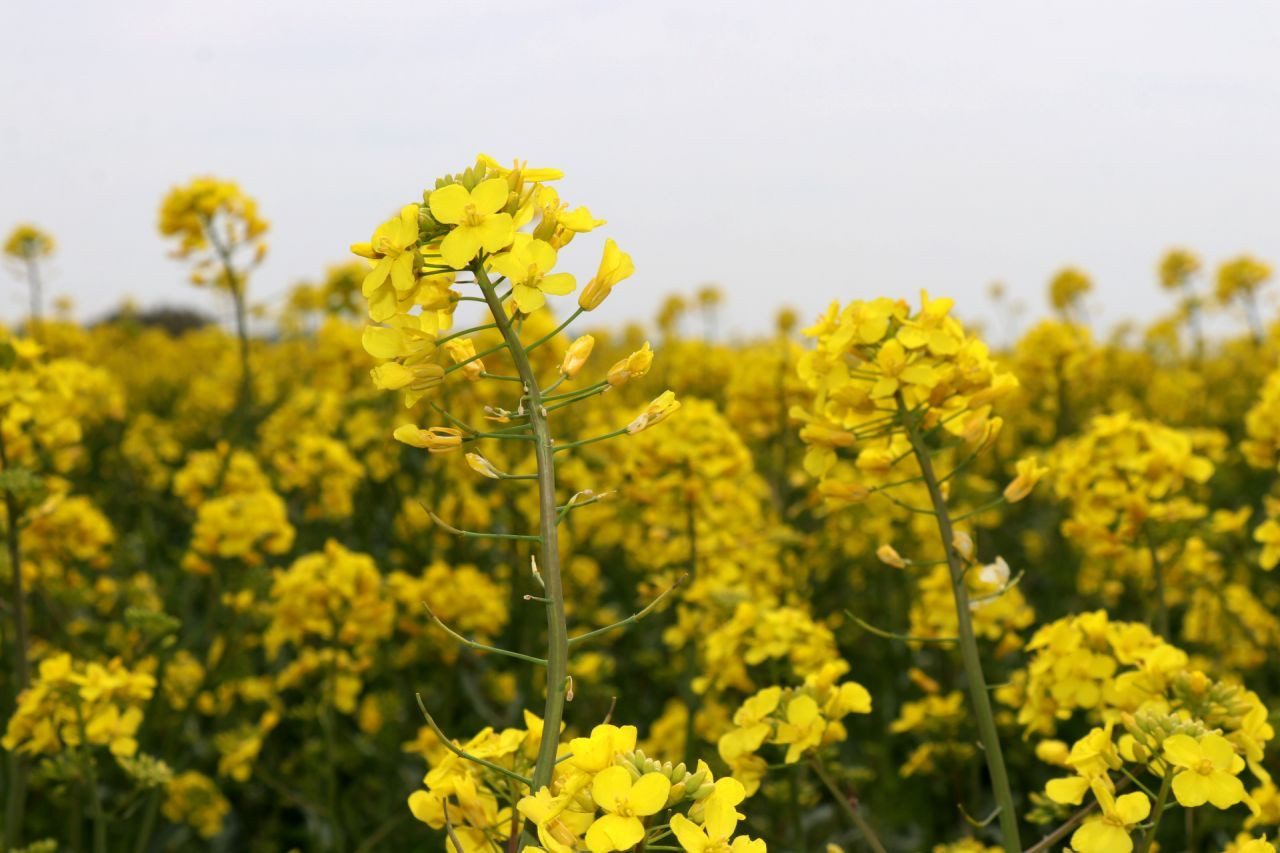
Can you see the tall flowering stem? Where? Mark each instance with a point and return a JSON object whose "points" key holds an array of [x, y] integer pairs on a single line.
{"points": [[544, 452], [235, 285], [28, 245], [891, 385], [967, 641], [219, 229], [16, 770]]}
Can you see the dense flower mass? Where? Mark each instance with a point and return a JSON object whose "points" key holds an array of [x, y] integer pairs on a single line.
{"points": [[413, 560]]}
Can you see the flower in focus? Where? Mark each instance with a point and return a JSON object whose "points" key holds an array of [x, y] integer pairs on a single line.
{"points": [[477, 222]]}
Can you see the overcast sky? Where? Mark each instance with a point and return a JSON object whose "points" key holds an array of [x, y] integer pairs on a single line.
{"points": [[793, 152]]}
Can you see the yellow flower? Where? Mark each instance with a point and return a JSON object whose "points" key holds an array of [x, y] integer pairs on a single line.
{"points": [[720, 818], [624, 803], [897, 373], [1267, 535], [615, 265], [1206, 770], [27, 242], [560, 827], [1110, 832], [476, 220], [803, 729], [526, 265], [597, 752], [391, 253]]}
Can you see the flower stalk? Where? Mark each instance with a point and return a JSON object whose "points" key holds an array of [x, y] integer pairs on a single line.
{"points": [[549, 563], [968, 642], [16, 771]]}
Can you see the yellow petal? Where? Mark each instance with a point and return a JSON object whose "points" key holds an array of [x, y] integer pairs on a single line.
{"points": [[612, 832], [402, 272], [382, 341], [496, 232], [649, 794], [448, 204], [459, 246], [691, 838], [1182, 750], [528, 299], [391, 376], [558, 284], [1189, 787], [610, 785], [1218, 750], [490, 196], [1068, 790], [1133, 808]]}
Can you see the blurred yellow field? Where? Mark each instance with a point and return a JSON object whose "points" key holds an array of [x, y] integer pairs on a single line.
{"points": [[438, 562], [671, 427]]}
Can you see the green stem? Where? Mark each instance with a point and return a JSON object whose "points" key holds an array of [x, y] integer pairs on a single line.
{"points": [[236, 284], [989, 737], [36, 323], [331, 760], [1161, 802], [465, 332], [850, 810], [148, 821], [592, 440], [544, 450], [691, 647], [16, 770], [551, 334], [95, 796]]}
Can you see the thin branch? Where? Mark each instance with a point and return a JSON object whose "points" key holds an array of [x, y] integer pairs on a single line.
{"points": [[480, 647], [462, 753], [889, 635], [471, 534], [630, 620]]}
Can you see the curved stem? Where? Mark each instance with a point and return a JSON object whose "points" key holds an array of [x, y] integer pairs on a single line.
{"points": [[16, 769], [989, 737], [846, 805], [544, 451]]}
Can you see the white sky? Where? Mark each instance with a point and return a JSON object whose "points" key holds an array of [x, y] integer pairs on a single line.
{"points": [[793, 152]]}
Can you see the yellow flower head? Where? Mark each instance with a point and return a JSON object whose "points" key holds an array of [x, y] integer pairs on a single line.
{"points": [[624, 803], [477, 222], [1206, 771]]}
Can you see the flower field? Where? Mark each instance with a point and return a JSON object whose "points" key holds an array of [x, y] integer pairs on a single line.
{"points": [[428, 559]]}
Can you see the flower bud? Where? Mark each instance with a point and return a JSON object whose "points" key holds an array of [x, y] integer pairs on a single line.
{"points": [[631, 367], [890, 557], [614, 267], [462, 349], [658, 411], [483, 466], [434, 439], [576, 355], [844, 491], [996, 574]]}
